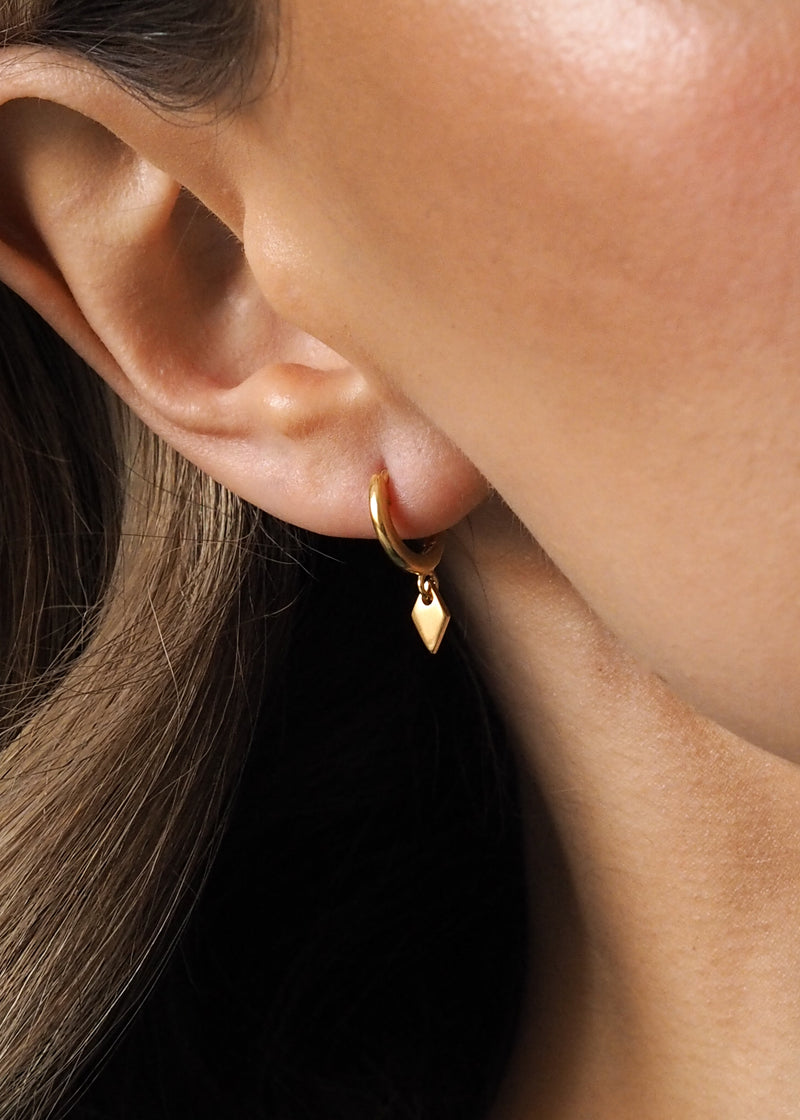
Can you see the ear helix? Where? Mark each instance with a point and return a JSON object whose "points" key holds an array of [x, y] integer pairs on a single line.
{"points": [[430, 614]]}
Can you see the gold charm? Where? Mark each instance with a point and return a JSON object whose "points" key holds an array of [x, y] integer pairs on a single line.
{"points": [[430, 614]]}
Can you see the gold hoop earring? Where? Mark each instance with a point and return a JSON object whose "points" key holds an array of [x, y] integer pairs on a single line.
{"points": [[430, 614]]}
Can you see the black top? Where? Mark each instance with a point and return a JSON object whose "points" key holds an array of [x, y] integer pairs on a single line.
{"points": [[356, 952]]}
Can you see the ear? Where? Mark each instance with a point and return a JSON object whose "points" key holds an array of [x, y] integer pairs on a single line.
{"points": [[149, 283]]}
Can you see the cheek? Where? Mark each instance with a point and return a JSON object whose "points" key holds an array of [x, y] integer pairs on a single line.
{"points": [[525, 173], [572, 248]]}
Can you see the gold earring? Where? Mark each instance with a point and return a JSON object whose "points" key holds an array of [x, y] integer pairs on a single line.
{"points": [[430, 614]]}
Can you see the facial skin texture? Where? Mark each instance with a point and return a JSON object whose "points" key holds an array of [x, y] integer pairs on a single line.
{"points": [[567, 231], [563, 234]]}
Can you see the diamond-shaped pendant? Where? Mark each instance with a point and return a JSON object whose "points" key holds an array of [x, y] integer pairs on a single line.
{"points": [[431, 617]]}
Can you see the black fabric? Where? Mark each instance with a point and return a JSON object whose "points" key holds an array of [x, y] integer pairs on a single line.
{"points": [[356, 952]]}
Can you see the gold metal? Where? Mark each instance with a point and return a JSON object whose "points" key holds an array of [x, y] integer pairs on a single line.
{"points": [[430, 614], [418, 563]]}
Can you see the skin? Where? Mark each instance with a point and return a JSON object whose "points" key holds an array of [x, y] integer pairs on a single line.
{"points": [[548, 247], [664, 947], [591, 234], [572, 250]]}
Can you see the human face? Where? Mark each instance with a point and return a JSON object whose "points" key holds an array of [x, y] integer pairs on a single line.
{"points": [[569, 232]]}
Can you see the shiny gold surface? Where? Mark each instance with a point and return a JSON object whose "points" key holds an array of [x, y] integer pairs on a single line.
{"points": [[420, 563], [431, 616]]}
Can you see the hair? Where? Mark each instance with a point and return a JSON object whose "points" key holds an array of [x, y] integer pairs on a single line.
{"points": [[160, 642]]}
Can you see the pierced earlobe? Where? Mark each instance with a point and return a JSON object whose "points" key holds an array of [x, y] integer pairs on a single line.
{"points": [[430, 614]]}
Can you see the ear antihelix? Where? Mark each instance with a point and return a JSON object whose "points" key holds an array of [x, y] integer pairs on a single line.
{"points": [[430, 614]]}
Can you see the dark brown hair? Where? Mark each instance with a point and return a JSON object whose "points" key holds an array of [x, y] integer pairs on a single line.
{"points": [[182, 53]]}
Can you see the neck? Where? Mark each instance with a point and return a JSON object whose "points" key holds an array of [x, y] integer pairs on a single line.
{"points": [[666, 932]]}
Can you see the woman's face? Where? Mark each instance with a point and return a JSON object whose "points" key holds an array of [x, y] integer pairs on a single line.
{"points": [[569, 231]]}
